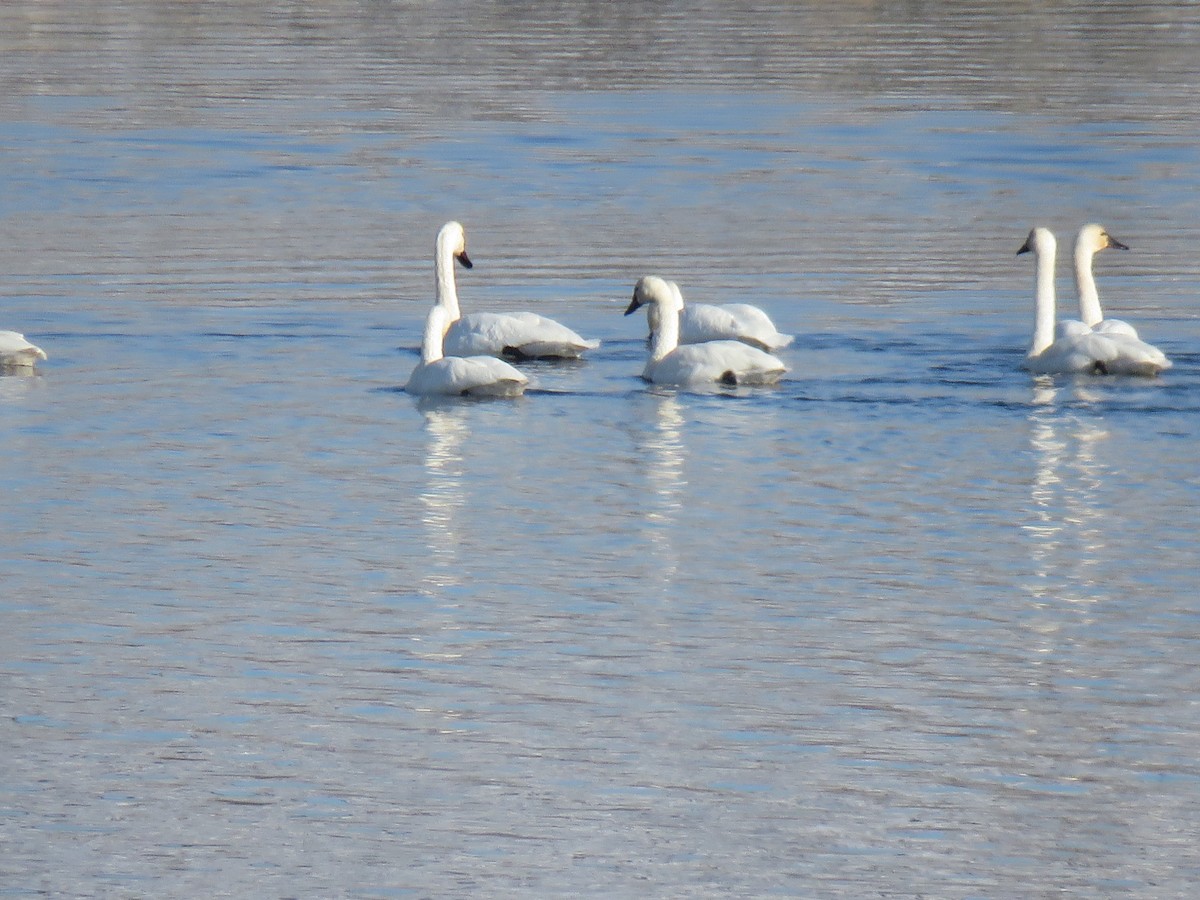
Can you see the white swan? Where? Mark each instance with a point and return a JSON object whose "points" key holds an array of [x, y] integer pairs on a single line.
{"points": [[474, 376], [728, 362], [521, 334], [1138, 354], [1090, 241], [701, 322], [18, 353], [1072, 347]]}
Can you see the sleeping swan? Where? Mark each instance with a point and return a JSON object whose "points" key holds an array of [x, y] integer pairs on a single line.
{"points": [[18, 353], [1074, 346], [700, 322], [727, 362], [521, 334], [470, 376], [1090, 241]]}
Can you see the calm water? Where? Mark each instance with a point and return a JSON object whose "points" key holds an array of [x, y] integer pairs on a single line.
{"points": [[912, 623]]}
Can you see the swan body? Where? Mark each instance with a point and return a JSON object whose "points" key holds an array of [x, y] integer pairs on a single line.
{"points": [[469, 376], [18, 353], [701, 322], [670, 363], [1135, 356], [522, 334], [1073, 346]]}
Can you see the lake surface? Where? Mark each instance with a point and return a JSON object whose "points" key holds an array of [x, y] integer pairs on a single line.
{"points": [[912, 623]]}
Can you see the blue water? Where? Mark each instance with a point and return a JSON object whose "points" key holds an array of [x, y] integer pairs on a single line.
{"points": [[911, 623]]}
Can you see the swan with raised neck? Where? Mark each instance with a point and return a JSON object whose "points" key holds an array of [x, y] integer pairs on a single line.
{"points": [[451, 245], [515, 334], [1091, 240]]}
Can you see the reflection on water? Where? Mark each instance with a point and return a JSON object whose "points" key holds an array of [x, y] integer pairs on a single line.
{"points": [[1069, 527], [219, 215], [662, 456], [442, 496]]}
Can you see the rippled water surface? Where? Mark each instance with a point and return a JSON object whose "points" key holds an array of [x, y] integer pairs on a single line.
{"points": [[912, 623]]}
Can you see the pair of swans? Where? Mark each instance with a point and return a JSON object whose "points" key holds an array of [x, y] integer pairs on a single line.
{"points": [[459, 354], [18, 353], [673, 362], [1090, 344]]}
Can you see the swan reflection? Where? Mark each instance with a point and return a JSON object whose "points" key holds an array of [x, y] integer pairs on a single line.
{"points": [[443, 498], [664, 456], [1066, 527]]}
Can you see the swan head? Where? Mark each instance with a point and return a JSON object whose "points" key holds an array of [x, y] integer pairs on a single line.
{"points": [[1040, 241], [655, 290], [1094, 238], [452, 239]]}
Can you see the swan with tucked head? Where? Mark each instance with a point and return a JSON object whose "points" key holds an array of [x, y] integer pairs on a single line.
{"points": [[523, 335], [468, 376], [18, 353], [1073, 346], [726, 362], [701, 322]]}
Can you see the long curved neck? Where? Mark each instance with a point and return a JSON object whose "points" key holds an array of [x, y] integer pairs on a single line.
{"points": [[435, 330], [1043, 324], [447, 292], [1085, 285], [665, 337]]}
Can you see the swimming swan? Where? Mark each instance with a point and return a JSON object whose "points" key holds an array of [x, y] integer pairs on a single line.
{"points": [[521, 334], [1073, 346], [473, 376], [1069, 347], [728, 362], [18, 353], [701, 322], [1090, 241]]}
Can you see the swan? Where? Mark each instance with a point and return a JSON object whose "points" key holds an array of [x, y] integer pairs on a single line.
{"points": [[522, 334], [1090, 241], [18, 353], [727, 362], [1071, 347], [473, 376], [701, 322]]}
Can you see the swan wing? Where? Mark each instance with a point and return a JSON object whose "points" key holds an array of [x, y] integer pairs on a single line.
{"points": [[1134, 356], [730, 362], [701, 322], [522, 334], [16, 351], [1079, 351], [1115, 326]]}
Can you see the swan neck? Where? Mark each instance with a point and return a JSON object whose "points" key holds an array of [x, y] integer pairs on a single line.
{"points": [[446, 291], [1043, 326], [665, 336], [1085, 285], [431, 341]]}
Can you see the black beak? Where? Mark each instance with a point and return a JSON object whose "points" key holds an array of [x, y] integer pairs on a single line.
{"points": [[1113, 242], [634, 305], [1025, 248], [464, 259]]}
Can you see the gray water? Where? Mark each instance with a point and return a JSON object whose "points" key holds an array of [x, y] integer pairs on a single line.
{"points": [[911, 624]]}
